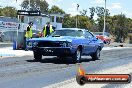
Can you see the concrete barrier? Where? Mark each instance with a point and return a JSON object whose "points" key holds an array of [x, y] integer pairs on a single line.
{"points": [[2, 45]]}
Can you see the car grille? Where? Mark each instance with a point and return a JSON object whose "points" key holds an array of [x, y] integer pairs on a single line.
{"points": [[49, 44]]}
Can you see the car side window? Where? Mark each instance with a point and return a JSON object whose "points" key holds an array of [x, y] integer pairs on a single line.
{"points": [[92, 34], [88, 34]]}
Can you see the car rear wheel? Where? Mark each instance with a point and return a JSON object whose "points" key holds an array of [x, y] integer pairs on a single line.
{"points": [[77, 56], [37, 56], [105, 42], [96, 55]]}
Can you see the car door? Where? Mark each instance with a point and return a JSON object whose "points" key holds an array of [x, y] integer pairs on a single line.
{"points": [[90, 43], [94, 42]]}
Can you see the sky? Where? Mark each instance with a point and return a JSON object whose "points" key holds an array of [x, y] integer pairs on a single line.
{"points": [[69, 6]]}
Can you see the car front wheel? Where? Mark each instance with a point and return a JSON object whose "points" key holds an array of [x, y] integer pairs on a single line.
{"points": [[37, 56], [96, 55], [77, 56]]}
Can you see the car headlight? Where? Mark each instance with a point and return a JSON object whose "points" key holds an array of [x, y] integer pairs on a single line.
{"points": [[69, 44], [35, 43], [64, 44], [29, 43]]}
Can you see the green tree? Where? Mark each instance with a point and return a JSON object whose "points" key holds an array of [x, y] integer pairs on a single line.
{"points": [[0, 11], [97, 25], [83, 22], [100, 24], [92, 12], [100, 11], [121, 29], [8, 12], [83, 12], [56, 9], [108, 25], [68, 21], [41, 5], [129, 24]]}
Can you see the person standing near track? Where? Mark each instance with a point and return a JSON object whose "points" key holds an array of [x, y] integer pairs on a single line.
{"points": [[29, 33]]}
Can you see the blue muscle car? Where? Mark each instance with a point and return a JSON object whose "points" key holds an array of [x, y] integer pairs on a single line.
{"points": [[67, 42]]}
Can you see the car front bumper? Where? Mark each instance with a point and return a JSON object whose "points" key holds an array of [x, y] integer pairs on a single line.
{"points": [[54, 51]]}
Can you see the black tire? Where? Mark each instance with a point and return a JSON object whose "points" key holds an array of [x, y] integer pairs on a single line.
{"points": [[105, 42], [96, 55], [77, 56], [37, 56]]}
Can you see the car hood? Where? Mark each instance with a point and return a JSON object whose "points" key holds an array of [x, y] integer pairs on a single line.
{"points": [[61, 38]]}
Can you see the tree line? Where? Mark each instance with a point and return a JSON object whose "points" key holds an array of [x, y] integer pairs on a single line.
{"points": [[118, 25]]}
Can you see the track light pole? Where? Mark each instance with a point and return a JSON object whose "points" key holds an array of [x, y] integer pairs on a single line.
{"points": [[104, 19]]}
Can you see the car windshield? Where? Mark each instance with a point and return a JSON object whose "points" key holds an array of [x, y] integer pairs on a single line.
{"points": [[73, 33]]}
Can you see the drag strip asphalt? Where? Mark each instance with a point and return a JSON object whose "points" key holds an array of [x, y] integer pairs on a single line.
{"points": [[24, 72]]}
